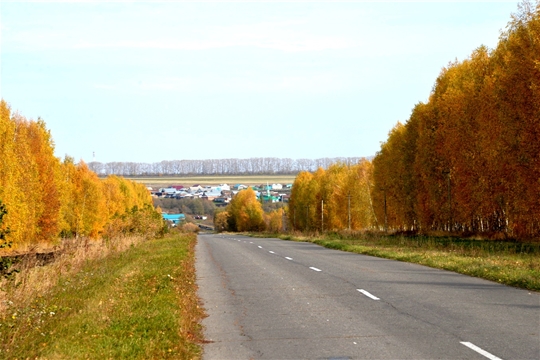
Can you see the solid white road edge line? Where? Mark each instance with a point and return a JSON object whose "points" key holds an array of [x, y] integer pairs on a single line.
{"points": [[368, 294], [479, 350], [314, 268]]}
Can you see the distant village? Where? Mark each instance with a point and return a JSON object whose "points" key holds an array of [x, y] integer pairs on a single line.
{"points": [[222, 194]]}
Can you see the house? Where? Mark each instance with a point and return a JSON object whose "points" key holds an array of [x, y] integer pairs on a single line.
{"points": [[182, 194], [195, 188], [277, 186], [224, 187], [175, 218], [227, 193], [168, 191], [221, 201], [210, 195], [269, 198]]}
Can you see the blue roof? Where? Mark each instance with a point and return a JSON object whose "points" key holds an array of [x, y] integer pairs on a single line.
{"points": [[174, 217]]}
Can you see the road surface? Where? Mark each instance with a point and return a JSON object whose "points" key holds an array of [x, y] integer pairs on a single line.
{"points": [[275, 299]]}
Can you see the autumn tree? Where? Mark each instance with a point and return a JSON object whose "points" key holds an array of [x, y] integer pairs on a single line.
{"points": [[304, 202], [246, 212], [44, 199], [221, 221], [360, 184], [468, 159], [274, 220], [335, 199], [48, 187], [8, 171], [4, 231]]}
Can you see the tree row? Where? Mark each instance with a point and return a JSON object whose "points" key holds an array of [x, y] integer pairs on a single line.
{"points": [[44, 198], [466, 161], [251, 166]]}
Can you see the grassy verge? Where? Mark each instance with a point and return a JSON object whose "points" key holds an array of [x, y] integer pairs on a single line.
{"points": [[510, 263], [136, 304]]}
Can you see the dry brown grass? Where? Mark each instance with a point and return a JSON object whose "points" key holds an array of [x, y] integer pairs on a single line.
{"points": [[70, 255], [137, 304], [190, 227]]}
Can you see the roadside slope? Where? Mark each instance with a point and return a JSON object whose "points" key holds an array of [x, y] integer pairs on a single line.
{"points": [[138, 304]]}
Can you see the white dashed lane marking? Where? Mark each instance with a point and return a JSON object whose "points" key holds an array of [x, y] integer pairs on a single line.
{"points": [[368, 294], [288, 258], [479, 350], [314, 268]]}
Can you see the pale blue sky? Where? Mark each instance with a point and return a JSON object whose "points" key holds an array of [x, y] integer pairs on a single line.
{"points": [[152, 81]]}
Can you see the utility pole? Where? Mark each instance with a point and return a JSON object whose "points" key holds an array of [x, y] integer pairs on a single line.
{"points": [[451, 225], [449, 218], [385, 214], [349, 208], [307, 217], [283, 221], [322, 216]]}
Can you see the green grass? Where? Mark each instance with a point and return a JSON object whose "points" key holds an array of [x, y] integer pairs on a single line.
{"points": [[511, 263], [139, 304]]}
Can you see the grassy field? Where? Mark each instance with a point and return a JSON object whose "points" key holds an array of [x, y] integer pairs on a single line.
{"points": [[162, 181], [509, 263], [136, 304]]}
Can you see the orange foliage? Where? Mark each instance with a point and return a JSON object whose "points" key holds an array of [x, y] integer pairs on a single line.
{"points": [[469, 159], [332, 199], [246, 213], [46, 198], [274, 221]]}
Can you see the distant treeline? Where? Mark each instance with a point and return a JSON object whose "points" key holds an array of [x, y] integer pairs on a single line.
{"points": [[466, 161], [251, 166]]}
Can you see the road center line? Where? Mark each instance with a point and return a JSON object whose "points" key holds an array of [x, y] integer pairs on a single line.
{"points": [[288, 258], [368, 294], [260, 247], [314, 268], [479, 350], [271, 252]]}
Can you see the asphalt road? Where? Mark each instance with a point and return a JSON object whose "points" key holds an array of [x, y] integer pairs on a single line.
{"points": [[275, 299]]}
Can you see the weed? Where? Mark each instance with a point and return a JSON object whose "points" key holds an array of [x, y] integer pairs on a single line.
{"points": [[137, 303]]}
